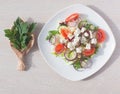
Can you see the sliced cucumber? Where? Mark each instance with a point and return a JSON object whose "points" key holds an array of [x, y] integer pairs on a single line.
{"points": [[70, 55], [82, 23], [92, 27]]}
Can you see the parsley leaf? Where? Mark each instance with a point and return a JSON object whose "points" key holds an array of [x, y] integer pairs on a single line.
{"points": [[77, 64], [20, 33]]}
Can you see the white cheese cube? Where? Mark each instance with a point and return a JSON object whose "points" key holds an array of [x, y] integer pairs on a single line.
{"points": [[86, 34], [93, 41], [70, 36], [83, 29], [91, 35], [62, 40], [72, 24], [70, 46], [79, 50], [72, 29], [88, 46], [75, 41], [83, 39], [77, 32]]}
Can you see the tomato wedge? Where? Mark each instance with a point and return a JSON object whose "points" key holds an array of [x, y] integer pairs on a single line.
{"points": [[101, 36], [72, 17], [89, 52], [59, 48], [64, 32]]}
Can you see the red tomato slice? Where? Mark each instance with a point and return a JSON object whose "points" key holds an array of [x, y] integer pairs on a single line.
{"points": [[59, 48], [72, 17], [90, 52], [65, 32], [101, 36]]}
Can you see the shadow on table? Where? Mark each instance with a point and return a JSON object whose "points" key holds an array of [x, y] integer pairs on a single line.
{"points": [[116, 33], [28, 58]]}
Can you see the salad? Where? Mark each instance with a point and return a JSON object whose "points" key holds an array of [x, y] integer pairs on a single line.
{"points": [[76, 40]]}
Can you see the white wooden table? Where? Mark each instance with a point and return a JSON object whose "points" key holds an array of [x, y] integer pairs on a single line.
{"points": [[39, 77]]}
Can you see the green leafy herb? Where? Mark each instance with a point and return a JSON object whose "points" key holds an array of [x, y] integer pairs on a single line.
{"points": [[91, 27], [82, 23], [20, 33], [77, 64], [96, 28], [87, 25], [52, 33]]}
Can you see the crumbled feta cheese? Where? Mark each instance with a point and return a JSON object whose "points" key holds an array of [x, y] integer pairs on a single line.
{"points": [[83, 29], [70, 46], [79, 50], [88, 46], [91, 35], [70, 36], [75, 41], [77, 32], [72, 24], [72, 29], [86, 34], [83, 39], [62, 40], [93, 41]]}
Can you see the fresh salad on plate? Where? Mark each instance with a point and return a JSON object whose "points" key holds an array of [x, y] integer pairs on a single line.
{"points": [[76, 40]]}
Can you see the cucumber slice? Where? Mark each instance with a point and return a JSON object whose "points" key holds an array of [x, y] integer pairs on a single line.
{"points": [[82, 23], [70, 55], [92, 27]]}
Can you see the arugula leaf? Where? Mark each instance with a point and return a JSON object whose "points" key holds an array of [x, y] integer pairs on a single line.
{"points": [[20, 33], [52, 33]]}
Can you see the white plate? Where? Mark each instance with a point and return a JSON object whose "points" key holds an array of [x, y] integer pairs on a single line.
{"points": [[57, 63]]}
